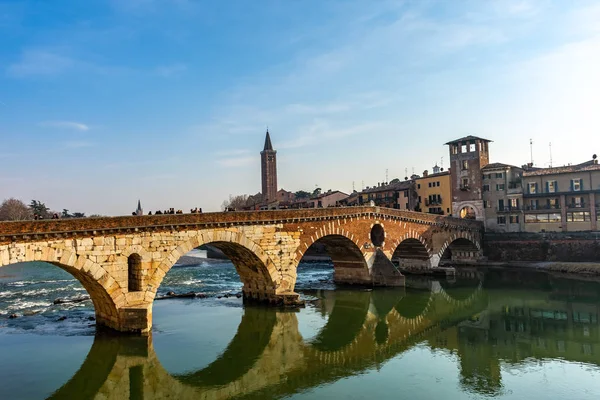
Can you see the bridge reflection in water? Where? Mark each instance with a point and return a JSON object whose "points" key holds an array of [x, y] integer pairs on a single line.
{"points": [[268, 358]]}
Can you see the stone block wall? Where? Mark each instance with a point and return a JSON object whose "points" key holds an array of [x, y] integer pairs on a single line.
{"points": [[566, 247]]}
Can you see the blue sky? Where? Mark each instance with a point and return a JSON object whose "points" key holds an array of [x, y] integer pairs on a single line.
{"points": [[105, 102]]}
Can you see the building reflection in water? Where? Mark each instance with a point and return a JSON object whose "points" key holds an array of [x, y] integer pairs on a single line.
{"points": [[485, 320]]}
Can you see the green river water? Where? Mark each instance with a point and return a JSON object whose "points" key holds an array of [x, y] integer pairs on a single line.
{"points": [[502, 334]]}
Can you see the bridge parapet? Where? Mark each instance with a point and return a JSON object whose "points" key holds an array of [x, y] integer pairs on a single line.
{"points": [[34, 230]]}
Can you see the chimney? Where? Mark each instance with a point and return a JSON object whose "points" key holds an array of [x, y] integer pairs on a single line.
{"points": [[425, 173]]}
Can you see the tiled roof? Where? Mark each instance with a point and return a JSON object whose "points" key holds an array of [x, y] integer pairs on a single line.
{"points": [[434, 175], [403, 185], [468, 138], [499, 166], [583, 167]]}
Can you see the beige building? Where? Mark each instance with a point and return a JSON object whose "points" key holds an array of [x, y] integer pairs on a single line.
{"points": [[327, 199], [434, 192], [502, 197], [563, 199]]}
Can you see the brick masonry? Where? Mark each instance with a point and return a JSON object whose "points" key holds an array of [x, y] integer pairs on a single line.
{"points": [[265, 247], [568, 247]]}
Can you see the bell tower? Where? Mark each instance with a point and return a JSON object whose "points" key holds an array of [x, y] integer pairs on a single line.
{"points": [[268, 162]]}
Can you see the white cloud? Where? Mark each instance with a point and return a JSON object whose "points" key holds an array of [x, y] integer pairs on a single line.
{"points": [[40, 63], [78, 126]]}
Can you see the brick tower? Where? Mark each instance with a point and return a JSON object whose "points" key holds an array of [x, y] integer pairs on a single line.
{"points": [[268, 163], [467, 156]]}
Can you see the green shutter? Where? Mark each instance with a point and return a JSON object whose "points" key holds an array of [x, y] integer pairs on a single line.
{"points": [[581, 184]]}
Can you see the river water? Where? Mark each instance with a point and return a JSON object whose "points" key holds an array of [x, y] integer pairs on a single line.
{"points": [[503, 334]]}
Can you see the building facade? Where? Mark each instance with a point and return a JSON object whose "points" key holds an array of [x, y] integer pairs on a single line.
{"points": [[563, 199], [331, 198], [268, 163], [398, 195], [502, 192], [434, 193]]}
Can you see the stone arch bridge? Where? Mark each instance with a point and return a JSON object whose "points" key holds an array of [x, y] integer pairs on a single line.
{"points": [[121, 261]]}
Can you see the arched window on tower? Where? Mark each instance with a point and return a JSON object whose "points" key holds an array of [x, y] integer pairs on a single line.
{"points": [[134, 268]]}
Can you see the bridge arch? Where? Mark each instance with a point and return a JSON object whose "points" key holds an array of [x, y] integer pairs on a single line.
{"points": [[349, 262], [257, 271], [460, 247], [412, 251], [104, 291]]}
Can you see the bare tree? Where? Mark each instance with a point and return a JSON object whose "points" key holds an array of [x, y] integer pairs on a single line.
{"points": [[14, 210], [235, 202]]}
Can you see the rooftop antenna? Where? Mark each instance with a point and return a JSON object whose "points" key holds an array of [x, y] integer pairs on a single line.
{"points": [[550, 154], [405, 173], [352, 186], [362, 185], [442, 162], [531, 150], [386, 174]]}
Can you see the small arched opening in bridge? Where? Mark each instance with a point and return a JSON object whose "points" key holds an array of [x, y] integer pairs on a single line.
{"points": [[460, 250], [377, 235], [134, 273], [336, 252], [411, 253]]}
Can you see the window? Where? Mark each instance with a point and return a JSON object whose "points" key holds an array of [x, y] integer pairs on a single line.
{"points": [[429, 184], [485, 176], [514, 203], [552, 203], [576, 185], [551, 187], [581, 216], [486, 188], [542, 218], [463, 148], [500, 187], [501, 205], [465, 165], [501, 220], [472, 147], [577, 202], [437, 183], [499, 175], [532, 187], [514, 219], [486, 204], [465, 183], [418, 186], [406, 193]]}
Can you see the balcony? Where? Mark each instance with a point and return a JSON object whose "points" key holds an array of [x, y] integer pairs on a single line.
{"points": [[509, 209], [433, 202], [577, 206], [543, 207]]}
